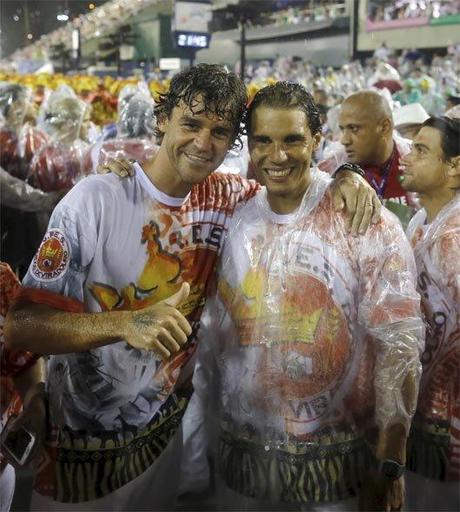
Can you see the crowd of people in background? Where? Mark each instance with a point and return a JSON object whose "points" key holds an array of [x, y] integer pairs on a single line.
{"points": [[304, 13], [393, 120], [390, 10]]}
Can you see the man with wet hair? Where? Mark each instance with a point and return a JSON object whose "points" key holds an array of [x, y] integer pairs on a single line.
{"points": [[432, 169], [138, 254], [316, 334]]}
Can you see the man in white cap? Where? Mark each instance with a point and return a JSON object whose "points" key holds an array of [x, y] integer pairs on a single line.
{"points": [[409, 119]]}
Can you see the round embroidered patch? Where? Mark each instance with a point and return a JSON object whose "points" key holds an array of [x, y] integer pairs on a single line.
{"points": [[52, 258]]}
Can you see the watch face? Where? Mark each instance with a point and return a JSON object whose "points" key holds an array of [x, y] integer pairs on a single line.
{"points": [[388, 469], [392, 470]]}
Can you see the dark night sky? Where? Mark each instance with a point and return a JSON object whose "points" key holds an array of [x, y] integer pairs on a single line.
{"points": [[42, 19]]}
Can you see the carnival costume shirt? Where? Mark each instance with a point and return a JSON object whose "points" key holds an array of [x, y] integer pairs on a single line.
{"points": [[435, 436], [315, 332], [121, 244]]}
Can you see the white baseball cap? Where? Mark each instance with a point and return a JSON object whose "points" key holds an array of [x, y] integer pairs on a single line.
{"points": [[413, 113]]}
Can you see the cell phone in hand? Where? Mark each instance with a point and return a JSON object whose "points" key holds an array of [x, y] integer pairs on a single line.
{"points": [[17, 445]]}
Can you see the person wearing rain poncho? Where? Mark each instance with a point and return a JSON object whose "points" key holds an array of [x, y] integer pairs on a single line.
{"points": [[59, 164], [110, 131], [432, 169], [138, 137], [19, 139], [316, 334], [135, 137]]}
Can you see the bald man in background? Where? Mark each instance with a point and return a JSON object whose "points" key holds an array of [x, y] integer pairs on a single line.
{"points": [[370, 141]]}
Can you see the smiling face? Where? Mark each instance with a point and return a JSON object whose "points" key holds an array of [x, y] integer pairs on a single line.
{"points": [[281, 147], [195, 142], [425, 170]]}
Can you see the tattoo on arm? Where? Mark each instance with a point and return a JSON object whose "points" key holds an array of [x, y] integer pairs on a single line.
{"points": [[143, 320]]}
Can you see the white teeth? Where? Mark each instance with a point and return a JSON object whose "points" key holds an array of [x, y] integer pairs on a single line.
{"points": [[196, 158], [278, 173]]}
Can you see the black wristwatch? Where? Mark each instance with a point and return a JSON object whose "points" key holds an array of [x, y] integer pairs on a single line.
{"points": [[390, 469], [350, 167]]}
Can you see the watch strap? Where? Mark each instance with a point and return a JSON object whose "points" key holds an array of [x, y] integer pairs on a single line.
{"points": [[349, 167], [390, 469]]}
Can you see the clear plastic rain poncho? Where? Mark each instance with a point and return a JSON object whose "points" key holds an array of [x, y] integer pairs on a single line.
{"points": [[14, 100], [437, 248], [65, 159], [19, 139], [135, 129], [317, 338], [16, 193]]}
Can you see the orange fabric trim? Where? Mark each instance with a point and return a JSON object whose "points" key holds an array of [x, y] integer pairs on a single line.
{"points": [[53, 300]]}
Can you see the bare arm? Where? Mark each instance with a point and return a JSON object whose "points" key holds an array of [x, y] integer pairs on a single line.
{"points": [[44, 330]]}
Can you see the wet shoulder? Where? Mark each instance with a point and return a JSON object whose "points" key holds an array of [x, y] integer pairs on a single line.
{"points": [[221, 191], [96, 190]]}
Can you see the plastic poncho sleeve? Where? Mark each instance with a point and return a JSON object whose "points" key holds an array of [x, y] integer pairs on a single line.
{"points": [[389, 309]]}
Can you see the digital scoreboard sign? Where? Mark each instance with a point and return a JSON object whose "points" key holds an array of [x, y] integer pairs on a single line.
{"points": [[192, 40]]}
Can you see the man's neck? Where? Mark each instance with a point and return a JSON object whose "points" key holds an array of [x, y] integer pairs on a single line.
{"points": [[284, 205], [435, 201], [164, 176], [385, 153]]}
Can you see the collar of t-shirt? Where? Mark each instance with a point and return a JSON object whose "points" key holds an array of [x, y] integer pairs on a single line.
{"points": [[154, 192], [276, 218]]}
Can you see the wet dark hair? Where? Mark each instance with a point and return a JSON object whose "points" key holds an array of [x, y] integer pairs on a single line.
{"points": [[10, 93], [223, 93], [450, 134], [290, 96]]}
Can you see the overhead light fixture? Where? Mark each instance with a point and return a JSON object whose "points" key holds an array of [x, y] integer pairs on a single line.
{"points": [[91, 7], [62, 17], [29, 36]]}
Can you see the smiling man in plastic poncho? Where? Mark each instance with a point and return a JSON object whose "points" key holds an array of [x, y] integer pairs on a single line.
{"points": [[317, 334]]}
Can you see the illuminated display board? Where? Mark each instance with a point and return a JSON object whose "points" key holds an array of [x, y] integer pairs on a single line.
{"points": [[192, 40]]}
